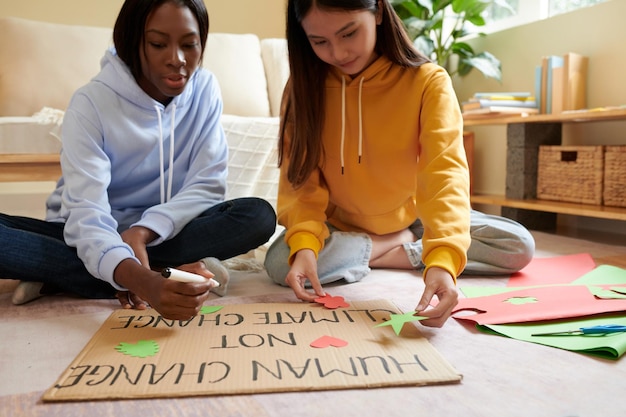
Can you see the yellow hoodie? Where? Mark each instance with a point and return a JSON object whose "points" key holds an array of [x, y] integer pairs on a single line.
{"points": [[393, 153]]}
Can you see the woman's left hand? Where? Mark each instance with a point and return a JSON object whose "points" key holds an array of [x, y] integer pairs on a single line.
{"points": [[138, 237], [130, 300]]}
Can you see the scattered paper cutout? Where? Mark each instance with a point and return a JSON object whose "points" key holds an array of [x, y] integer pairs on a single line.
{"points": [[550, 271], [397, 321], [328, 341], [141, 349], [608, 292], [553, 302], [331, 302], [210, 309], [520, 300]]}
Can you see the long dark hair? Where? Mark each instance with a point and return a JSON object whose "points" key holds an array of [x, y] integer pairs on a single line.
{"points": [[128, 32], [304, 96]]}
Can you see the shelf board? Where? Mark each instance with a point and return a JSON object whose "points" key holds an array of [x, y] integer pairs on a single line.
{"points": [[599, 115], [588, 210], [29, 167]]}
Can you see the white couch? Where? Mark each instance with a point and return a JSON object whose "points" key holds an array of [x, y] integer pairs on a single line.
{"points": [[42, 64]]}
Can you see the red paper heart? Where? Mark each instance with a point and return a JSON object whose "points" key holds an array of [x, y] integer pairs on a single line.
{"points": [[331, 302], [327, 341]]}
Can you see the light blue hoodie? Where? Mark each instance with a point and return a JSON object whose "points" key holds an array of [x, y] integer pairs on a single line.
{"points": [[128, 160]]}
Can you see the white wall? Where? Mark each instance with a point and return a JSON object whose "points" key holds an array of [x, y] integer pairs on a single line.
{"points": [[264, 18]]}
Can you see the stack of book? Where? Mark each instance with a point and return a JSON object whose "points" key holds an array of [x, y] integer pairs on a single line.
{"points": [[561, 83], [495, 104]]}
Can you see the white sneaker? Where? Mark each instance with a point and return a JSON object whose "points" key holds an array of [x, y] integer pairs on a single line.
{"points": [[26, 291], [221, 275]]}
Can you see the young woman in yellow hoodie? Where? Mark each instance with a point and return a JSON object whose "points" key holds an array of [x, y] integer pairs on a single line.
{"points": [[373, 170]]}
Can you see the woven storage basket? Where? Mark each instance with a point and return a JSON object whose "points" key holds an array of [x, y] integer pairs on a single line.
{"points": [[571, 173], [615, 176]]}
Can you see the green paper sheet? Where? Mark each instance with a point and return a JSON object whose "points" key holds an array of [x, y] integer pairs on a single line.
{"points": [[610, 346], [604, 274]]}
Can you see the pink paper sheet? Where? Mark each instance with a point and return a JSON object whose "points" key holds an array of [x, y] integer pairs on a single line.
{"points": [[536, 304], [549, 271]]}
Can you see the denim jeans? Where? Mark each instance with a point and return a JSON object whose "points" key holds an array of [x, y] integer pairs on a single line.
{"points": [[499, 246], [34, 250]]}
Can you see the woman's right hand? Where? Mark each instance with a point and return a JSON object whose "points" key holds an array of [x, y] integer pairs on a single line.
{"points": [[438, 282], [303, 269]]}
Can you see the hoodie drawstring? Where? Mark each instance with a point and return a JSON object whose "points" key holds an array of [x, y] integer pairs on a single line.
{"points": [[343, 120], [170, 177], [361, 118]]}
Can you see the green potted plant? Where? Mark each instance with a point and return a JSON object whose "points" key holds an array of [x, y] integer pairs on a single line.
{"points": [[437, 28]]}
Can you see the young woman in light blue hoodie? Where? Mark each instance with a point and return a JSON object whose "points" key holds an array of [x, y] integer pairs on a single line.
{"points": [[144, 164]]}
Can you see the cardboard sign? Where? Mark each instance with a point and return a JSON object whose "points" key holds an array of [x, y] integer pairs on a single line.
{"points": [[253, 348]]}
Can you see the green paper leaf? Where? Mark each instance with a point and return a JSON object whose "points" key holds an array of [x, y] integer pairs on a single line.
{"points": [[141, 349], [210, 309], [397, 321]]}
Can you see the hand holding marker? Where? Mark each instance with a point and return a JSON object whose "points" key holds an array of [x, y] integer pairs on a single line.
{"points": [[183, 276]]}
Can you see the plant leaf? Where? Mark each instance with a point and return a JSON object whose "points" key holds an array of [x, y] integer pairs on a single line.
{"points": [[412, 8], [439, 5], [464, 50], [423, 21], [486, 63], [471, 8], [425, 45]]}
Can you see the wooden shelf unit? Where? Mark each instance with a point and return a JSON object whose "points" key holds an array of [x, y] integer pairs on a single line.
{"points": [[578, 116], [29, 167], [601, 212], [520, 202]]}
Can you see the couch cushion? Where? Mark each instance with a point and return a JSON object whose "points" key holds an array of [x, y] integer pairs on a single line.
{"points": [[252, 169], [252, 163], [235, 59], [42, 64], [276, 62]]}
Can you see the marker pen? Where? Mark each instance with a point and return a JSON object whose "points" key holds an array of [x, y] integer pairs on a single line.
{"points": [[183, 276]]}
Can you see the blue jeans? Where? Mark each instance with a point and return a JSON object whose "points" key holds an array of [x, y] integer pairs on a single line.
{"points": [[34, 250], [499, 246]]}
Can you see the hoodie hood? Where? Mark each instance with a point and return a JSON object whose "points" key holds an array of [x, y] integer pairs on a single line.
{"points": [[116, 75]]}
